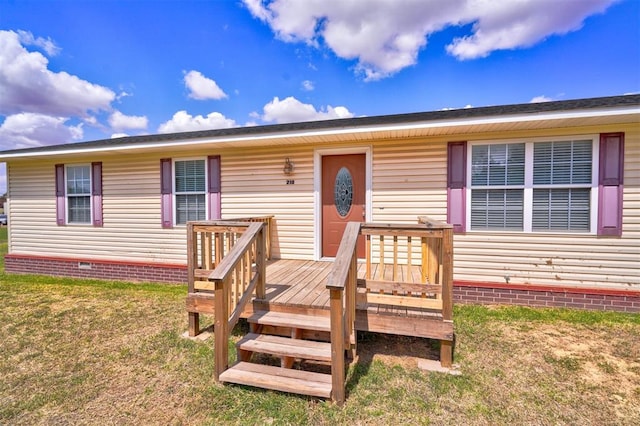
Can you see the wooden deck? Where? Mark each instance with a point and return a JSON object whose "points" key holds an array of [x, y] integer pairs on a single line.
{"points": [[302, 284], [311, 311]]}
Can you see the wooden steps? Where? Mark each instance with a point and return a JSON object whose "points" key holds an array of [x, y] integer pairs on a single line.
{"points": [[279, 379], [283, 319], [285, 347], [288, 349]]}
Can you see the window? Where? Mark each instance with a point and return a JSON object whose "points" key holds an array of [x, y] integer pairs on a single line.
{"points": [[537, 186], [190, 190], [497, 179], [78, 183], [79, 194]]}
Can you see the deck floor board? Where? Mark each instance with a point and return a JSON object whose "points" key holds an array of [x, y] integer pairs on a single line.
{"points": [[303, 283]]}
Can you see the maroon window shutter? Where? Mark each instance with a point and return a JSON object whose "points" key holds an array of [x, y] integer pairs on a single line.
{"points": [[456, 185], [610, 182], [214, 188], [60, 194], [96, 192], [166, 190]]}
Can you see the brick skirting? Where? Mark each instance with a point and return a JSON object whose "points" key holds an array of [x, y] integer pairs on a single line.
{"points": [[463, 292], [546, 296], [98, 269]]}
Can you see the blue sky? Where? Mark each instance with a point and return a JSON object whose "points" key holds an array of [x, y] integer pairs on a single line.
{"points": [[80, 70]]}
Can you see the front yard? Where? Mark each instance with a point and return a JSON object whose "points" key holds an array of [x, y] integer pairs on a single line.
{"points": [[91, 352]]}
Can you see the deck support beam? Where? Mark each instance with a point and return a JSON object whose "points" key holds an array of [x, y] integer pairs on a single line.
{"points": [[337, 347]]}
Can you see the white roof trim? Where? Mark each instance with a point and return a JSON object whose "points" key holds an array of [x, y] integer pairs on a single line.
{"points": [[431, 124]]}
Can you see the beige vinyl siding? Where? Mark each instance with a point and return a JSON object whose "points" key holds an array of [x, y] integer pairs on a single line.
{"points": [[253, 184], [408, 180], [562, 259], [131, 207]]}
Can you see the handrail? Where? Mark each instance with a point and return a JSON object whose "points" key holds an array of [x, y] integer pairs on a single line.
{"points": [[208, 242], [268, 221], [342, 283], [236, 269], [433, 223]]}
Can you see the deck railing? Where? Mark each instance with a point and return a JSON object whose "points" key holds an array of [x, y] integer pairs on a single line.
{"points": [[236, 277], [342, 283], [268, 222], [208, 243], [409, 266]]}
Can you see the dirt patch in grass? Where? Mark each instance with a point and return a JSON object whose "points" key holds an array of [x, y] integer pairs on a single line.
{"points": [[85, 353]]}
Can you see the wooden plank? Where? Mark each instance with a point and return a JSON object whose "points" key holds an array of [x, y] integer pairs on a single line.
{"points": [[314, 292], [284, 319], [229, 262], [414, 232], [423, 242], [432, 223], [447, 275], [391, 286], [402, 301], [391, 324], [202, 273], [204, 285], [346, 251], [395, 258], [220, 330], [285, 347], [337, 346], [446, 353], [280, 379], [200, 302], [304, 280], [191, 256], [242, 302]]}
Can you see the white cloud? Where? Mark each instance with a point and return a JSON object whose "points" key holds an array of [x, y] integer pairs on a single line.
{"points": [[201, 87], [28, 129], [47, 44], [119, 135], [513, 24], [27, 85], [291, 110], [541, 98], [308, 85], [385, 36], [185, 122], [118, 121]]}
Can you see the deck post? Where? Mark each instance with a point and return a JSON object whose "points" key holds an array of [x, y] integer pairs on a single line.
{"points": [[194, 317], [261, 264], [221, 329], [337, 346], [351, 292], [446, 347]]}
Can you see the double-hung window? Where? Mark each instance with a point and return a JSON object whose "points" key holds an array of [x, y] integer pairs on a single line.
{"points": [[533, 186], [78, 190], [79, 194], [190, 190]]}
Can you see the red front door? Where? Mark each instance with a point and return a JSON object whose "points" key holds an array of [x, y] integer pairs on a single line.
{"points": [[343, 199]]}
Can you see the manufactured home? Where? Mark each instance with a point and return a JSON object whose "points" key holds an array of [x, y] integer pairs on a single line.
{"points": [[543, 198]]}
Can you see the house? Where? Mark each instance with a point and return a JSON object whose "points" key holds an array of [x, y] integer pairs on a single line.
{"points": [[544, 198]]}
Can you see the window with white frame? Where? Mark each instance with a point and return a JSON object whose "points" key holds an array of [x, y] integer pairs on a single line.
{"points": [[78, 193], [533, 186], [190, 190]]}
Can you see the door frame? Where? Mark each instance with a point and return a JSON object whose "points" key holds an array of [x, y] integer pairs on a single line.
{"points": [[317, 188]]}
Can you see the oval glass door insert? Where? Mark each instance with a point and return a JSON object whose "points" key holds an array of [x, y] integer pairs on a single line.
{"points": [[343, 191]]}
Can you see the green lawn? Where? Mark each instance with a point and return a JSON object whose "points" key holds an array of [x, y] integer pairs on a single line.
{"points": [[93, 352]]}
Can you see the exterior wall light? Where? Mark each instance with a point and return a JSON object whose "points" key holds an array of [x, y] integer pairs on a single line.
{"points": [[288, 167]]}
